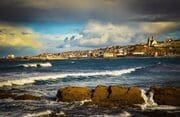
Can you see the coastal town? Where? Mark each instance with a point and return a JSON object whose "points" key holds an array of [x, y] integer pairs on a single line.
{"points": [[153, 48]]}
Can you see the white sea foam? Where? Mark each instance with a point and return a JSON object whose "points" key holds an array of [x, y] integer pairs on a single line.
{"points": [[84, 101], [38, 114], [61, 113], [28, 65], [123, 114], [31, 80], [149, 102], [44, 64], [165, 107]]}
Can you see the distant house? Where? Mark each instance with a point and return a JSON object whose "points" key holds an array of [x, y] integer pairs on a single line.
{"points": [[108, 55], [151, 42], [169, 40], [121, 52], [84, 56], [10, 56], [138, 53], [154, 42], [72, 56]]}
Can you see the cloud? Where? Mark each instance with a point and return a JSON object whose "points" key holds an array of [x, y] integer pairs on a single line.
{"points": [[156, 10], [114, 11], [13, 37], [159, 27], [96, 34]]}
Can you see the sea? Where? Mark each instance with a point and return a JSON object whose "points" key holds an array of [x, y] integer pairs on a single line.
{"points": [[44, 78]]}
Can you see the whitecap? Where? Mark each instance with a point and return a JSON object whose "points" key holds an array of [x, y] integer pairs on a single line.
{"points": [[38, 114], [54, 76], [123, 114], [29, 65]]}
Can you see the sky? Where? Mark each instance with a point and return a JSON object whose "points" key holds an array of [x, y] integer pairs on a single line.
{"points": [[30, 27]]}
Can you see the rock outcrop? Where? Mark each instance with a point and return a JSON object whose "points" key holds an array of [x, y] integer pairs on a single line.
{"points": [[125, 95], [112, 96], [69, 94], [100, 96], [166, 95], [27, 97], [16, 95]]}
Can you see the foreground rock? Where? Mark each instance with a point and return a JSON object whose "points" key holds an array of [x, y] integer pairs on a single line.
{"points": [[125, 95], [102, 95], [16, 95], [27, 97], [70, 94], [166, 95], [117, 96]]}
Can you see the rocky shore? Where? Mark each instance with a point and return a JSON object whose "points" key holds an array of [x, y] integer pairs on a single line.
{"points": [[105, 96], [118, 96], [101, 100], [17, 94]]}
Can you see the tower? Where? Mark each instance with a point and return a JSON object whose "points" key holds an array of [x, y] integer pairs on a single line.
{"points": [[149, 42]]}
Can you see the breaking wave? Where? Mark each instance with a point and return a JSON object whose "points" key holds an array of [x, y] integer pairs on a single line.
{"points": [[31, 80], [36, 65], [44, 113]]}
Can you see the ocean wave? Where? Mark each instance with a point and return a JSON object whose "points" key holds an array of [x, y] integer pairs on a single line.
{"points": [[36, 65], [31, 80], [43, 113]]}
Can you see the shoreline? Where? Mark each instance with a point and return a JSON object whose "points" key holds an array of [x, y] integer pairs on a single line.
{"points": [[127, 57]]}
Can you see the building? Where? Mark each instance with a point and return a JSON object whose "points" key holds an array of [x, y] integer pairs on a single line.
{"points": [[138, 53], [84, 56], [151, 42], [121, 52], [108, 55], [155, 54], [154, 42], [10, 56], [72, 56], [169, 40]]}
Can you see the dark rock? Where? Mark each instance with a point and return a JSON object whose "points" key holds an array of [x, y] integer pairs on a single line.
{"points": [[100, 96], [27, 97], [166, 95], [69, 94], [15, 94], [6, 95], [125, 96], [117, 96], [113, 96]]}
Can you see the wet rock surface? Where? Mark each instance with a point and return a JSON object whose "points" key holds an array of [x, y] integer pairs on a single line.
{"points": [[125, 95], [166, 95], [102, 95], [17, 94], [69, 94], [27, 97]]}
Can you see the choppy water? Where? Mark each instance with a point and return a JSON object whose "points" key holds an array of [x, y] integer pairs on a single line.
{"points": [[44, 78]]}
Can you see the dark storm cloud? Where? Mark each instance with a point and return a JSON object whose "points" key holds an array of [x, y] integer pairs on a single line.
{"points": [[157, 10], [83, 10]]}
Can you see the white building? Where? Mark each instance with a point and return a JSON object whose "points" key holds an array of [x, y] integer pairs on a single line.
{"points": [[138, 53], [10, 56], [121, 52], [152, 42], [108, 55]]}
